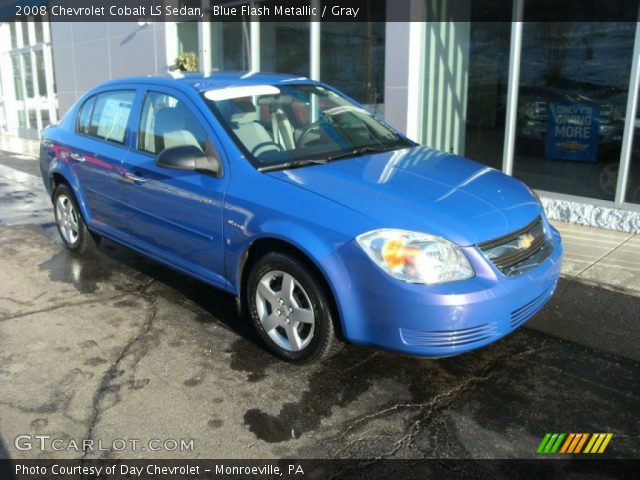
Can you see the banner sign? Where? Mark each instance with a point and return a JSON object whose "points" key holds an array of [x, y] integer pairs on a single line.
{"points": [[572, 131]]}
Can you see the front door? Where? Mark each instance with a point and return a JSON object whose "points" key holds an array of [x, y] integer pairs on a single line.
{"points": [[176, 215]]}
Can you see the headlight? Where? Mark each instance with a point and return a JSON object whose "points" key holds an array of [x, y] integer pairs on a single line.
{"points": [[416, 257]]}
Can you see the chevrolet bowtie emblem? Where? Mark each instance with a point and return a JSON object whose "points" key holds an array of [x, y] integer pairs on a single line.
{"points": [[526, 241]]}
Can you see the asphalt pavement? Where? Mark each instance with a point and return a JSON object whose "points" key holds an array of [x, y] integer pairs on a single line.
{"points": [[114, 346]]}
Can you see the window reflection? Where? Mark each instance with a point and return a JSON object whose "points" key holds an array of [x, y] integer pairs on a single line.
{"points": [[284, 47], [487, 91], [632, 194], [573, 91], [352, 59], [230, 45]]}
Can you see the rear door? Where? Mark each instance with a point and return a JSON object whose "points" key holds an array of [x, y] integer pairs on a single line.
{"points": [[97, 154], [176, 215]]}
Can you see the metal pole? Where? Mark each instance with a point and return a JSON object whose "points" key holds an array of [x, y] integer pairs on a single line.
{"points": [[630, 120], [314, 45], [512, 92], [254, 26]]}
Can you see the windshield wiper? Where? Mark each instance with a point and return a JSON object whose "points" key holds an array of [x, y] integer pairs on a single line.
{"points": [[354, 152], [316, 161], [292, 164]]}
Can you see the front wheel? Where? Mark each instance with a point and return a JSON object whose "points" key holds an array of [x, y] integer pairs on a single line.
{"points": [[73, 231], [289, 309]]}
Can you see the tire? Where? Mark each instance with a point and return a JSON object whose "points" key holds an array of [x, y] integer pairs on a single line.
{"points": [[297, 327], [71, 226]]}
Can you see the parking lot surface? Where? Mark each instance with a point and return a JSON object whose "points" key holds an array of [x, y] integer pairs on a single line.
{"points": [[114, 346]]}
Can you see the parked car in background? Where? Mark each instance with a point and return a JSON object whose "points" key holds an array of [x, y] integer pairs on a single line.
{"points": [[534, 111], [324, 221]]}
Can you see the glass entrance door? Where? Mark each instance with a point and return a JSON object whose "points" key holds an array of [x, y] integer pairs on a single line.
{"points": [[30, 103]]}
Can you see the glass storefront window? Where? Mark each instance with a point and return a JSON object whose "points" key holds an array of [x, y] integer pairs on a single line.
{"points": [[230, 45], [489, 44], [22, 119], [284, 47], [25, 34], [352, 59], [42, 80], [33, 118], [17, 77], [39, 31], [632, 194], [573, 91], [28, 74], [188, 37], [14, 35], [46, 118]]}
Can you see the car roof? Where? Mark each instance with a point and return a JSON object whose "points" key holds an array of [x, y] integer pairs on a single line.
{"points": [[212, 81]]}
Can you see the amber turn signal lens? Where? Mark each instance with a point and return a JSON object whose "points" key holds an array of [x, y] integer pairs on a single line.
{"points": [[396, 254]]}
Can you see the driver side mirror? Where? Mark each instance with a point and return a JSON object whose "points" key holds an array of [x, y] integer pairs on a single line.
{"points": [[189, 157]]}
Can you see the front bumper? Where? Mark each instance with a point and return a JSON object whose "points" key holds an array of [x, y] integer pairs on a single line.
{"points": [[437, 320]]}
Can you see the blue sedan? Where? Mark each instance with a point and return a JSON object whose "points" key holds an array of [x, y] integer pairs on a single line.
{"points": [[325, 222]]}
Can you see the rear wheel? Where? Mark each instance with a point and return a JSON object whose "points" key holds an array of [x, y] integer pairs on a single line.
{"points": [[71, 226], [289, 309]]}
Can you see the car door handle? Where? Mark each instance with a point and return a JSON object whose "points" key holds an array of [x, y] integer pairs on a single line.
{"points": [[77, 157], [134, 178]]}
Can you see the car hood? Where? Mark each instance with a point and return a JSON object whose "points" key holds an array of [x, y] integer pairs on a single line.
{"points": [[424, 190]]}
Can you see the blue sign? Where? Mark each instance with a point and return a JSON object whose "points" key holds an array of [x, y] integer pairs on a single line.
{"points": [[572, 131]]}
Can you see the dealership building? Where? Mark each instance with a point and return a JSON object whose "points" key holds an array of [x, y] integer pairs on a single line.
{"points": [[551, 103]]}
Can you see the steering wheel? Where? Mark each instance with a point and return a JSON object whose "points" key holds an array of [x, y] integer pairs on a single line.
{"points": [[254, 150], [310, 128]]}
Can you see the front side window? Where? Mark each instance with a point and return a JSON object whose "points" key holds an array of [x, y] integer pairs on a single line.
{"points": [[107, 115], [167, 122], [279, 125]]}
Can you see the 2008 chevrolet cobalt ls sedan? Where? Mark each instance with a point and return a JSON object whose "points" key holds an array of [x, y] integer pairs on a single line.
{"points": [[318, 216]]}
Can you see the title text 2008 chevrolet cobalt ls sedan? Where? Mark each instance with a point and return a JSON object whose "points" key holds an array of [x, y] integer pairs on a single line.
{"points": [[323, 220]]}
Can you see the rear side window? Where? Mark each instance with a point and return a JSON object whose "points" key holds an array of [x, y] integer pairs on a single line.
{"points": [[85, 116], [106, 115]]}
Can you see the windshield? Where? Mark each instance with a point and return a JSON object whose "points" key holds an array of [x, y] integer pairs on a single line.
{"points": [[285, 126]]}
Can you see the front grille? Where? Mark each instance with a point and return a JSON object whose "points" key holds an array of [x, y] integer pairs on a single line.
{"points": [[448, 338], [511, 250]]}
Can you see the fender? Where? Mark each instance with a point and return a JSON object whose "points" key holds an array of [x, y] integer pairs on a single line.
{"points": [[314, 247], [60, 165], [320, 251]]}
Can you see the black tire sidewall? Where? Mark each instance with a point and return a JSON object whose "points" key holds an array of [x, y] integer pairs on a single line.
{"points": [[85, 242], [323, 330]]}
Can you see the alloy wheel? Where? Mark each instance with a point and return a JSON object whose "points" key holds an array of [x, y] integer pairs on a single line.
{"points": [[67, 219], [285, 310]]}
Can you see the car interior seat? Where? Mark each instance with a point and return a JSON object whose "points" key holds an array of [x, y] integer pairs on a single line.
{"points": [[171, 130], [282, 129], [250, 131]]}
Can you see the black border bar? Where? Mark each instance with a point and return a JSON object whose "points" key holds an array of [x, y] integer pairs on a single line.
{"points": [[318, 11], [316, 469]]}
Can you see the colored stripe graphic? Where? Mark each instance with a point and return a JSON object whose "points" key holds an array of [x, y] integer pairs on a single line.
{"points": [[543, 443], [567, 443], [606, 442], [550, 443], [573, 443], [581, 443], [590, 444]]}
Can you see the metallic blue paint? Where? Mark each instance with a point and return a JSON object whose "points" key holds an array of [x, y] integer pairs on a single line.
{"points": [[204, 226]]}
